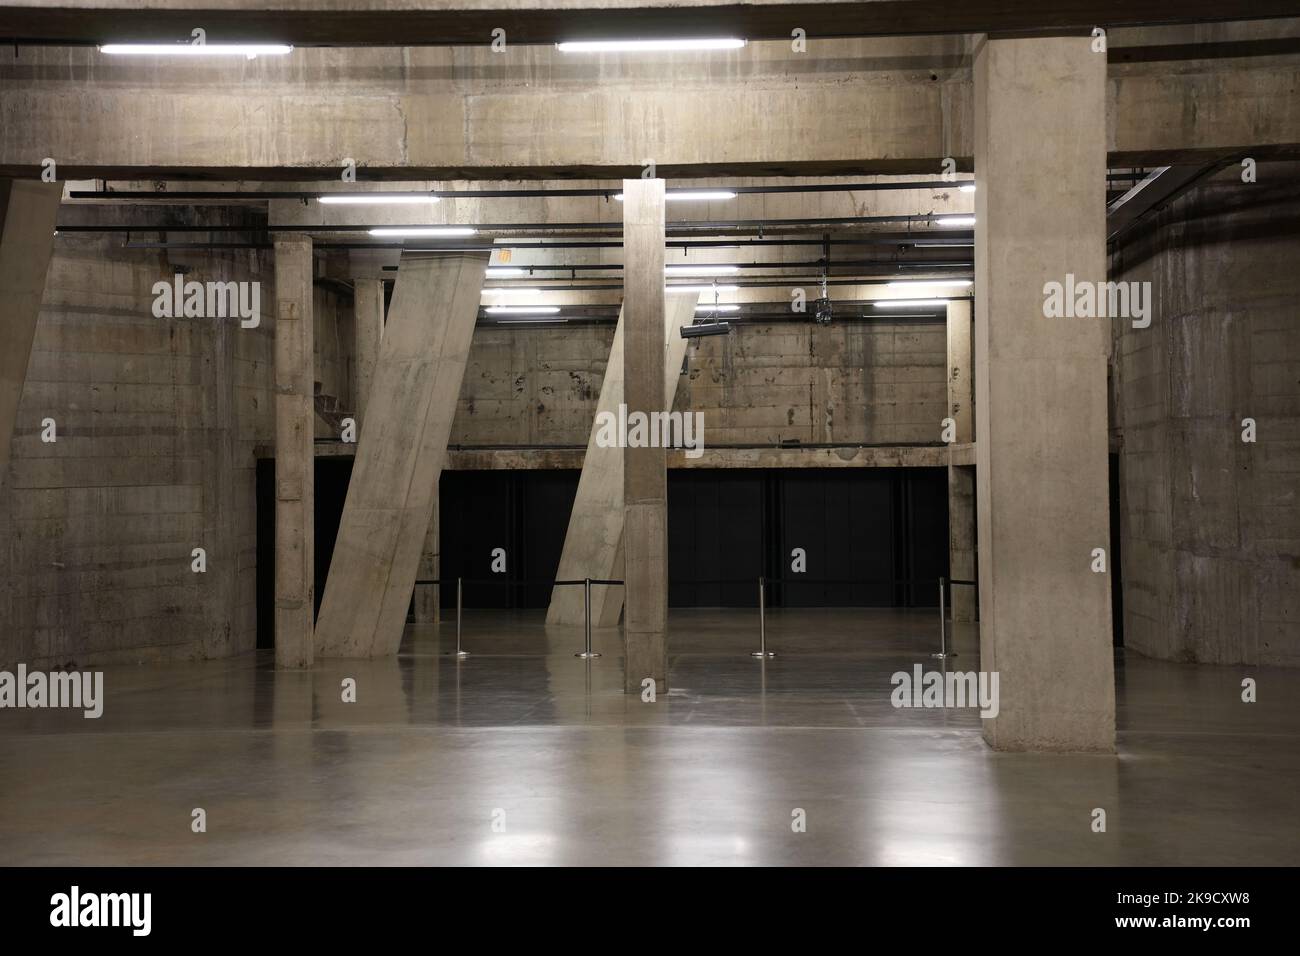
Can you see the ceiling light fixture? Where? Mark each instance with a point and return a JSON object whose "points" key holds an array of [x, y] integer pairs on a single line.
{"points": [[375, 199], [692, 195], [424, 232], [927, 283], [649, 46], [700, 270], [522, 309], [248, 50], [956, 221], [966, 187], [701, 329], [512, 291], [495, 272], [701, 288], [705, 307], [896, 303]]}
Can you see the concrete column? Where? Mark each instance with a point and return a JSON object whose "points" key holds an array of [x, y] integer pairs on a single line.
{"points": [[1040, 410], [368, 310], [593, 544], [295, 461], [400, 455], [961, 479], [27, 217], [645, 476]]}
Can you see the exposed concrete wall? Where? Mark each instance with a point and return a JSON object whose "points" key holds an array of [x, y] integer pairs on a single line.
{"points": [[877, 382], [157, 421], [1211, 524]]}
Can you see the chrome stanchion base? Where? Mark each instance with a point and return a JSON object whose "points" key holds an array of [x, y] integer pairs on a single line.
{"points": [[586, 655], [766, 654]]}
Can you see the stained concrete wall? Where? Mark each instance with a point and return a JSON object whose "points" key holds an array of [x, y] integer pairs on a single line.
{"points": [[870, 382], [157, 424], [1210, 524]]}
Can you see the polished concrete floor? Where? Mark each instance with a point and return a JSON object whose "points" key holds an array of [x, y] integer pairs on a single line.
{"points": [[523, 754]]}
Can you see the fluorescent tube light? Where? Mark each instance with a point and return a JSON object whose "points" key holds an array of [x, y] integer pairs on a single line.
{"points": [[512, 291], [692, 195], [966, 187], [528, 321], [927, 284], [423, 232], [700, 288], [896, 303], [522, 309], [717, 308], [496, 272], [956, 221], [249, 50], [700, 270], [375, 199], [648, 46]]}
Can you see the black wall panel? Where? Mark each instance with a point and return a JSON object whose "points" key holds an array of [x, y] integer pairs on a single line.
{"points": [[872, 537], [716, 537]]}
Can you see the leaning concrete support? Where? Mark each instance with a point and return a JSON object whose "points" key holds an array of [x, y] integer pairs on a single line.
{"points": [[593, 544], [295, 456], [27, 216], [1040, 409], [400, 455]]}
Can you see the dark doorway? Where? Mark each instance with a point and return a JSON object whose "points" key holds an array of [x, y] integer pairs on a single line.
{"points": [[524, 513], [332, 476]]}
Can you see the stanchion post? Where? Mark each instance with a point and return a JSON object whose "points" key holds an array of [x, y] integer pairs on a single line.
{"points": [[459, 653], [587, 654], [762, 652], [943, 623]]}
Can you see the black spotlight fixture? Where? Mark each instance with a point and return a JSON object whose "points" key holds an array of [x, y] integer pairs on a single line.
{"points": [[701, 329]]}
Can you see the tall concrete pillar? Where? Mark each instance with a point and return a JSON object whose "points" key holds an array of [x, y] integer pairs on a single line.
{"points": [[27, 217], [645, 476], [1040, 409], [961, 479], [368, 309], [295, 461], [593, 546], [400, 455]]}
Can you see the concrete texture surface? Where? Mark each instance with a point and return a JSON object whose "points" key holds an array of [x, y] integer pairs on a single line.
{"points": [[1040, 405], [1211, 523], [709, 774], [27, 216], [645, 471], [394, 482], [874, 105], [295, 460]]}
